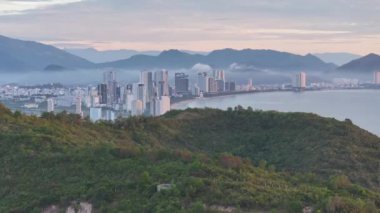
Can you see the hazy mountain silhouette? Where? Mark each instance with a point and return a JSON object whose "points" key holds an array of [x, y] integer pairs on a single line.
{"points": [[98, 56], [260, 59], [368, 63], [18, 55], [103, 56], [166, 59]]}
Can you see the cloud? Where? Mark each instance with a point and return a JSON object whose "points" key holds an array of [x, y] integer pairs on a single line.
{"points": [[12, 7], [201, 68], [289, 25]]}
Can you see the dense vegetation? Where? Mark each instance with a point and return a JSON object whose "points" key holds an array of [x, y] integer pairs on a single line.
{"points": [[249, 160]]}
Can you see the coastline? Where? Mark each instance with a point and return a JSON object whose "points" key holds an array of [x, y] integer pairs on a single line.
{"points": [[210, 96]]}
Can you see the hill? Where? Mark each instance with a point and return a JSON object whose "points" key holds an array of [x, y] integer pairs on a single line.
{"points": [[18, 55], [171, 59], [368, 63], [103, 56], [98, 56], [290, 141], [212, 160], [258, 59]]}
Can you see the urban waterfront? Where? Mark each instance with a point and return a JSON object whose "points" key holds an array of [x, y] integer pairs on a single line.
{"points": [[361, 106]]}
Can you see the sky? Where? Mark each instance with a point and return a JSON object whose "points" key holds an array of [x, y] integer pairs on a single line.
{"points": [[298, 26]]}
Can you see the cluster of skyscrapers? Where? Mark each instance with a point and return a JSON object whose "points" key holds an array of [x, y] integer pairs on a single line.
{"points": [[213, 84], [150, 96], [301, 80]]}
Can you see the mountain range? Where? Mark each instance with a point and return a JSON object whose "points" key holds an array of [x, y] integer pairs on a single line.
{"points": [[225, 58], [97, 56], [103, 56], [19, 55]]}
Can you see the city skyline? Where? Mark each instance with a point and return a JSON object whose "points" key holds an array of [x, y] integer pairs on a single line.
{"points": [[292, 25]]}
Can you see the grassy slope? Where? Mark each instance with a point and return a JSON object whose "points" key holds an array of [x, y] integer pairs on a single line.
{"points": [[291, 141], [116, 167]]}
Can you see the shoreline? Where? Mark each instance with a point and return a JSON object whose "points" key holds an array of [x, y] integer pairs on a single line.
{"points": [[211, 96]]}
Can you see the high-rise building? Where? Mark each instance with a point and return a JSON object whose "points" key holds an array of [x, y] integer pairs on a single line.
{"points": [[220, 85], [197, 91], [161, 79], [146, 78], [220, 79], [102, 93], [250, 85], [129, 97], [161, 105], [95, 114], [181, 82], [50, 105], [129, 87], [78, 106], [203, 82], [230, 86], [376, 77], [112, 97], [141, 95], [227, 86], [119, 94], [95, 101], [301, 80], [219, 75], [109, 78], [212, 85], [171, 91], [164, 105]]}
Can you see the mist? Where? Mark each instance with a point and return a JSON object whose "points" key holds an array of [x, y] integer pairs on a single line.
{"points": [[94, 76]]}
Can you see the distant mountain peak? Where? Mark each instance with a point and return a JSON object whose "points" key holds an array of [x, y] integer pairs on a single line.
{"points": [[309, 55], [173, 53], [24, 55], [372, 55], [368, 63], [20, 55]]}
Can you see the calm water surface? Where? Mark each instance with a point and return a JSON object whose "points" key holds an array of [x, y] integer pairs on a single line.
{"points": [[361, 106]]}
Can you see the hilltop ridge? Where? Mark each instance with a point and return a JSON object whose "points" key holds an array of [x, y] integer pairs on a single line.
{"points": [[239, 158]]}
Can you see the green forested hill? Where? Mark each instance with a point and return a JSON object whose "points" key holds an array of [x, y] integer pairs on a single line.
{"points": [[248, 160], [291, 141]]}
